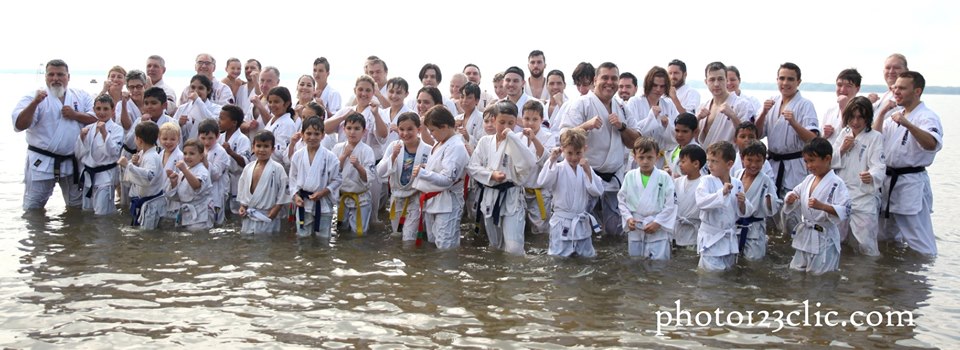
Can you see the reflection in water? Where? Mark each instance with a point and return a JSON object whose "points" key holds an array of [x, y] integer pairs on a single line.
{"points": [[95, 281]]}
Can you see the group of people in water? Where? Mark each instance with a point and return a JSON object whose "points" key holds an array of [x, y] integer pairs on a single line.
{"points": [[656, 166]]}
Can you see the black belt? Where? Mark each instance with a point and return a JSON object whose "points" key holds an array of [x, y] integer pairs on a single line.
{"points": [[136, 204], [894, 174], [502, 193], [128, 149], [744, 224], [302, 211], [93, 171], [606, 177], [57, 160], [782, 168]]}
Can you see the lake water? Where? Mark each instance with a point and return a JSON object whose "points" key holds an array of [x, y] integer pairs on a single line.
{"points": [[68, 280]]}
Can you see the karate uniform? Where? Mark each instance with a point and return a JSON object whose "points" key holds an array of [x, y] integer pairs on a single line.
{"points": [[283, 129], [539, 199], [910, 201], [355, 197], [169, 164], [688, 214], [444, 175], [834, 118], [754, 224], [722, 128], [816, 238], [783, 141], [51, 132], [671, 160], [689, 98], [528, 90], [552, 119], [271, 191], [473, 123], [571, 225], [171, 95], [196, 111], [99, 159], [653, 202], [411, 104], [240, 144], [308, 177], [404, 199], [766, 169], [147, 183], [865, 155], [650, 125], [503, 204], [606, 152], [220, 93], [717, 237], [194, 207], [331, 100], [219, 162], [370, 138]]}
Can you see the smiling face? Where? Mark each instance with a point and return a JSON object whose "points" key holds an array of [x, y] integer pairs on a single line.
{"points": [[116, 78], [905, 93], [396, 95], [626, 89], [408, 131], [787, 82], [136, 89], [513, 85], [276, 105], [424, 103], [263, 150], [305, 88], [857, 123], [192, 155], [200, 89], [233, 69], [312, 137], [104, 111], [364, 92], [169, 139], [892, 68], [817, 165], [555, 85], [205, 65], [733, 83], [606, 83], [752, 164], [573, 154]]}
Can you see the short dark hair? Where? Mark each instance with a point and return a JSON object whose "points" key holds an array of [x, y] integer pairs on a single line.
{"points": [[790, 66], [678, 63], [205, 81], [583, 72], [735, 70], [157, 93], [193, 143], [355, 118], [723, 149], [754, 148], [372, 60], [687, 119], [747, 125], [515, 70], [314, 122], [918, 81], [608, 65], [438, 116], [851, 75], [405, 116], [105, 98], [428, 66], [324, 62], [254, 60], [863, 106], [505, 107], [471, 65], [399, 82], [715, 66], [628, 75], [57, 63], [533, 105], [434, 94], [557, 72], [234, 113], [818, 147], [694, 153], [470, 89], [265, 136], [208, 126], [147, 131], [536, 53], [645, 144]]}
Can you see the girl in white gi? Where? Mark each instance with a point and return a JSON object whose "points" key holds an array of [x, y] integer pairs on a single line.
{"points": [[314, 182], [648, 205], [721, 201], [574, 185], [441, 181], [358, 174], [98, 148], [144, 172], [262, 189], [170, 143], [540, 142], [692, 160], [190, 188], [502, 164], [281, 124], [237, 146], [823, 202], [858, 159], [199, 107], [397, 90], [762, 194], [305, 94], [217, 164], [405, 155], [685, 132]]}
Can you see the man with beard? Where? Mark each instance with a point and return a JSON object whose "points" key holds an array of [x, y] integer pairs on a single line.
{"points": [[220, 93], [536, 84], [52, 119], [684, 97], [156, 67], [473, 75], [610, 132], [627, 87]]}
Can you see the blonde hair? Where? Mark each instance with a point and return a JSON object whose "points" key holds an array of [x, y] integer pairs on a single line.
{"points": [[170, 127], [364, 78], [117, 69], [575, 137]]}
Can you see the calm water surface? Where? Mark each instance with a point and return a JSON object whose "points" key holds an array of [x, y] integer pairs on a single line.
{"points": [[68, 280]]}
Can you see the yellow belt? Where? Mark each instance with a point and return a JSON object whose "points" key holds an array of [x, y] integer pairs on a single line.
{"points": [[356, 199], [393, 208], [539, 194]]}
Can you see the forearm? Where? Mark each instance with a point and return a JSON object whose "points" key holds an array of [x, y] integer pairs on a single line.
{"points": [[25, 118]]}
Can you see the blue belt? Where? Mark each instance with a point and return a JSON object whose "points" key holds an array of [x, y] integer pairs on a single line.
{"points": [[744, 224], [136, 204]]}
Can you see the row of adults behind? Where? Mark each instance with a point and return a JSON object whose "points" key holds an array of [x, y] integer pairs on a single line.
{"points": [[909, 148]]}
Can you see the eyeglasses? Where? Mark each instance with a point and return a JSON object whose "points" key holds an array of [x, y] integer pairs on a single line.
{"points": [[135, 87], [204, 63]]}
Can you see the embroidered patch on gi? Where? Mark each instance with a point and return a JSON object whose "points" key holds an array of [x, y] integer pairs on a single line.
{"points": [[37, 163]]}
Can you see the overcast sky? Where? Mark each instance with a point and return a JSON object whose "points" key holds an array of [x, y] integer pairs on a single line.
{"points": [[822, 37]]}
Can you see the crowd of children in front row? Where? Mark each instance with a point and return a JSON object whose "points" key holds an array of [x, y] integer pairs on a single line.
{"points": [[507, 174]]}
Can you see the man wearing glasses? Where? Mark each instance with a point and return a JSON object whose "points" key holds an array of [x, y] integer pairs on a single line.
{"points": [[221, 94]]}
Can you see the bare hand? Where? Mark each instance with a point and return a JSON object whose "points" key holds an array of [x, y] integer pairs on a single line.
{"points": [[767, 105], [122, 162], [227, 148], [788, 116], [900, 119], [585, 163], [182, 165], [727, 187], [41, 95], [842, 101], [125, 97], [814, 203], [68, 112], [873, 97], [83, 133], [615, 121], [183, 119], [828, 131], [704, 112], [192, 96], [728, 111], [243, 211], [396, 151], [416, 171], [297, 200], [847, 144], [593, 123], [652, 227], [145, 117], [102, 128], [741, 198], [656, 110], [296, 137], [135, 159], [673, 92], [791, 198], [498, 176], [631, 224], [555, 153], [504, 133], [866, 177], [355, 162]]}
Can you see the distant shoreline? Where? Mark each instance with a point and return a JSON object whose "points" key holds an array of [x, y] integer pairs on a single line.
{"points": [[933, 90]]}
